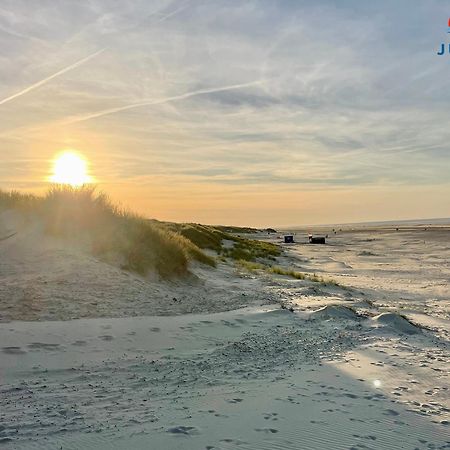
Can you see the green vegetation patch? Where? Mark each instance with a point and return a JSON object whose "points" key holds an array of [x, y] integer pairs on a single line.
{"points": [[251, 250], [212, 237], [203, 236], [236, 230]]}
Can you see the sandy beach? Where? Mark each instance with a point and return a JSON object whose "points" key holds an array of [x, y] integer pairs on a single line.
{"points": [[224, 225], [230, 358]]}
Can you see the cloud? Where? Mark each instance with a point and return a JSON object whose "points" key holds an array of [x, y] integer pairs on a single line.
{"points": [[51, 77], [292, 95], [161, 101]]}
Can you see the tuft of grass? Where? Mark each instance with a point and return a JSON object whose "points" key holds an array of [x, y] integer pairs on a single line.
{"points": [[251, 250], [19, 201], [292, 273], [251, 266], [71, 211], [111, 232], [254, 267]]}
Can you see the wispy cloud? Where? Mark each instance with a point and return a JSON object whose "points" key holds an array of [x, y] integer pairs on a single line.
{"points": [[174, 12], [162, 101], [241, 97], [51, 77]]}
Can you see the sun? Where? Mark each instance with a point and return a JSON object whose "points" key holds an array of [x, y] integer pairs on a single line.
{"points": [[70, 168]]}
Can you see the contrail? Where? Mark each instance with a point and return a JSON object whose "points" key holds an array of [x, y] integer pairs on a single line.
{"points": [[173, 13], [45, 80], [105, 112]]}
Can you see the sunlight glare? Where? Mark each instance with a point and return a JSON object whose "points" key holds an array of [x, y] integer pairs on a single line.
{"points": [[70, 168]]}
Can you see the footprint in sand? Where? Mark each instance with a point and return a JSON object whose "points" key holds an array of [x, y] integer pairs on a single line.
{"points": [[236, 442], [155, 329], [235, 400], [241, 320], [13, 350], [227, 323], [79, 343], [368, 437], [216, 414], [270, 416], [106, 337], [183, 430], [351, 395], [43, 346], [390, 412], [319, 422], [267, 430]]}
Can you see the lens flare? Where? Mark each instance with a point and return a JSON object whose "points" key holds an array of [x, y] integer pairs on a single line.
{"points": [[70, 168]]}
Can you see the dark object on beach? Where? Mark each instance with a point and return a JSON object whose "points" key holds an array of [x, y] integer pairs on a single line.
{"points": [[316, 240], [271, 230], [289, 239]]}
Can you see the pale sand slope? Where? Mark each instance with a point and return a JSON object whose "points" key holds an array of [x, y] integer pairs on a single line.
{"points": [[255, 378], [250, 379], [43, 278]]}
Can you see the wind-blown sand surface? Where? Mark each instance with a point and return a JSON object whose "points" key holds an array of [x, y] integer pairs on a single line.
{"points": [[344, 370]]}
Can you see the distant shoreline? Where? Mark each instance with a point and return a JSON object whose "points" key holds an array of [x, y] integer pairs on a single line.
{"points": [[407, 222]]}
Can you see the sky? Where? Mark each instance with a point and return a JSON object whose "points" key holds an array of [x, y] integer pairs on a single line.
{"points": [[258, 113]]}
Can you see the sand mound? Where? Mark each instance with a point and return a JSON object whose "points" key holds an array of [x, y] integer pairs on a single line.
{"points": [[43, 277], [397, 322], [335, 312]]}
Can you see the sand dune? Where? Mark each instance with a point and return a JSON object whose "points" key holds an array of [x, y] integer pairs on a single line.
{"points": [[335, 312], [45, 278]]}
